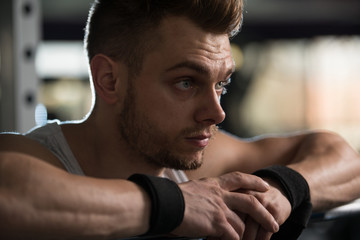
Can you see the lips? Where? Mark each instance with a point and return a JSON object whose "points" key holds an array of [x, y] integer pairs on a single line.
{"points": [[200, 141]]}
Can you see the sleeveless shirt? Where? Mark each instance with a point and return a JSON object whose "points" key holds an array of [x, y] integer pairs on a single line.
{"points": [[52, 137]]}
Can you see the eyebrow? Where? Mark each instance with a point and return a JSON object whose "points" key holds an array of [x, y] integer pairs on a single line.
{"points": [[197, 68]]}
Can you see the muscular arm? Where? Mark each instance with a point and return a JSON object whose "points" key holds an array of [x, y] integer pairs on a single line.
{"points": [[331, 168], [39, 200], [327, 162], [43, 201]]}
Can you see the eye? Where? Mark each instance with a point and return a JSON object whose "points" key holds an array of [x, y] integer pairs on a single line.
{"points": [[184, 85], [222, 86]]}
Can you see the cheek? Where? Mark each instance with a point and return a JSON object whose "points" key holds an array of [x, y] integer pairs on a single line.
{"points": [[165, 112], [162, 107]]}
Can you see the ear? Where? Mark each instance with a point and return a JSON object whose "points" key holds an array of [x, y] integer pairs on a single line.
{"points": [[105, 75]]}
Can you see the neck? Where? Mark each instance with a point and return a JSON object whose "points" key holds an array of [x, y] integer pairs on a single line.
{"points": [[101, 152]]}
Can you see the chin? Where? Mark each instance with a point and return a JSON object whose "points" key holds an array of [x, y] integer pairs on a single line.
{"points": [[176, 160], [191, 163]]}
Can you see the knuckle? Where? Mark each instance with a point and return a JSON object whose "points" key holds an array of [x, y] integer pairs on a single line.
{"points": [[263, 200], [253, 201], [232, 176], [239, 175], [218, 192], [215, 188], [212, 182]]}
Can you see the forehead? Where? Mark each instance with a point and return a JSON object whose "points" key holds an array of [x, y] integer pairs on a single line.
{"points": [[181, 40]]}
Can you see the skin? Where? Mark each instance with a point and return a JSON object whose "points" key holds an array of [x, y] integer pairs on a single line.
{"points": [[175, 108]]}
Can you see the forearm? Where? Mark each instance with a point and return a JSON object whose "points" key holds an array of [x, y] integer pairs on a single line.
{"points": [[38, 200], [331, 168]]}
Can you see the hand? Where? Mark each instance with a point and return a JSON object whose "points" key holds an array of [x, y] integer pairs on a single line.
{"points": [[276, 203], [213, 209]]}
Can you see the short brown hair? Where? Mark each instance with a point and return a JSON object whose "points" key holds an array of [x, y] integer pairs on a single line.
{"points": [[121, 29]]}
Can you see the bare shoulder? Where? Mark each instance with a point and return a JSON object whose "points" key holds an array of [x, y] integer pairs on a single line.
{"points": [[16, 143]]}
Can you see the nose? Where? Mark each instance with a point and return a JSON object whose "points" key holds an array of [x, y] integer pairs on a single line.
{"points": [[210, 111]]}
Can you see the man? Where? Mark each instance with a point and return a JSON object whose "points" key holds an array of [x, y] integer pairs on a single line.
{"points": [[159, 69]]}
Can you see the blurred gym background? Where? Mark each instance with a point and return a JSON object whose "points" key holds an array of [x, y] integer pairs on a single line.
{"points": [[298, 67]]}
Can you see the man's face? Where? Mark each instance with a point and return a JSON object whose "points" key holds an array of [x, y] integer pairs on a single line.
{"points": [[172, 107]]}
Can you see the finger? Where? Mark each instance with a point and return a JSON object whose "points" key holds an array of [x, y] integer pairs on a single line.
{"points": [[250, 205], [237, 222], [263, 234], [237, 180], [229, 233], [251, 229], [231, 229]]}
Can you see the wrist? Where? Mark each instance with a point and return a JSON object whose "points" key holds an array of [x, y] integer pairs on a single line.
{"points": [[274, 184], [290, 182], [294, 186], [167, 203], [142, 221]]}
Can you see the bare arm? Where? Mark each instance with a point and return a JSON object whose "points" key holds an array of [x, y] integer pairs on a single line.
{"points": [[39, 200], [327, 162], [330, 166]]}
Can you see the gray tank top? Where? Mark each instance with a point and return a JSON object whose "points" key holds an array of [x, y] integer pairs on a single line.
{"points": [[52, 137]]}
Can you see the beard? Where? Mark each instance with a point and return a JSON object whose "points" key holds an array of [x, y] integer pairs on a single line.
{"points": [[152, 143]]}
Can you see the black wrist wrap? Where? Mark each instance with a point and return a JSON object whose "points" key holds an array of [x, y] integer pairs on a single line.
{"points": [[297, 191], [167, 203]]}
